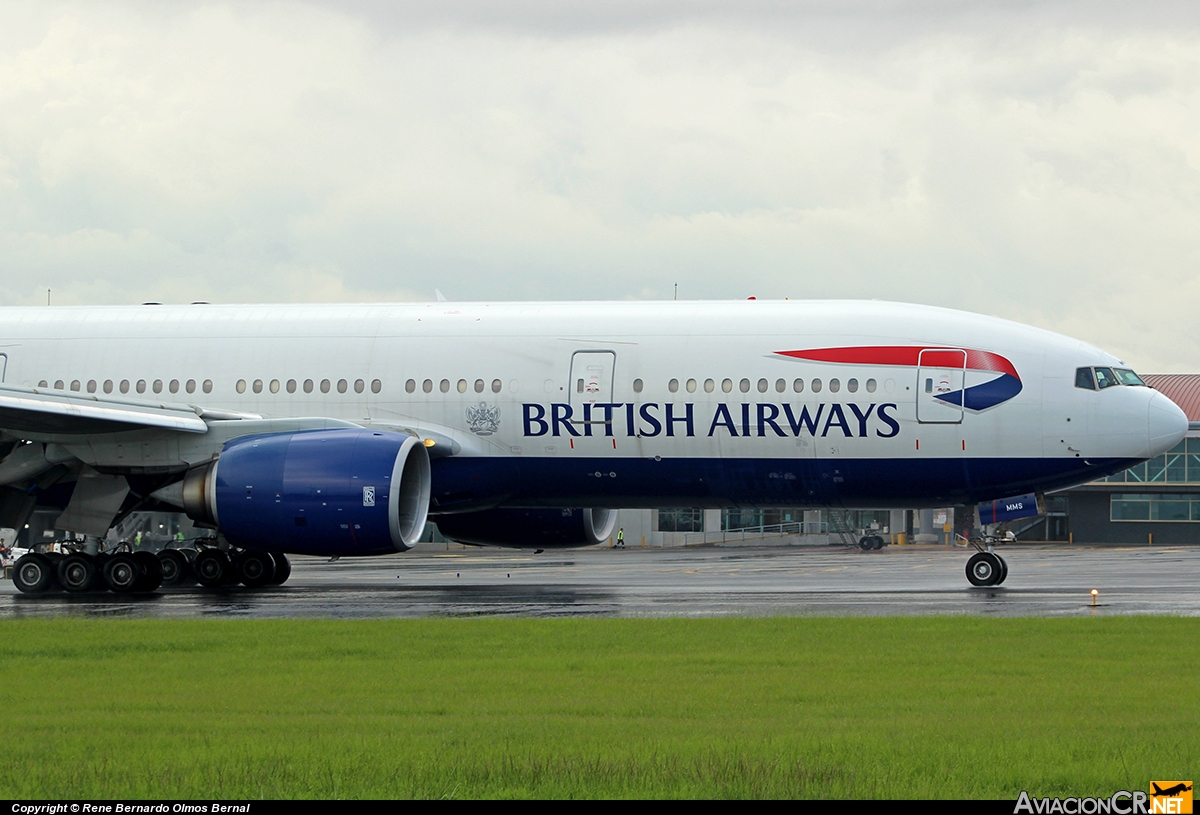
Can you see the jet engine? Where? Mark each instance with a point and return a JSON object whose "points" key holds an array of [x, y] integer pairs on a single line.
{"points": [[321, 492], [530, 528]]}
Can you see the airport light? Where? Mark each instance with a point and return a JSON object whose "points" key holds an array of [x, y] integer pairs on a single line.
{"points": [[1094, 593]]}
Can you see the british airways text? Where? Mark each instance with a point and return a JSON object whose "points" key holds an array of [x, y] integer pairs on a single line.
{"points": [[668, 419]]}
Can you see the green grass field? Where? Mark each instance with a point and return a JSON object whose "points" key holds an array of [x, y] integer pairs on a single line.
{"points": [[791, 707]]}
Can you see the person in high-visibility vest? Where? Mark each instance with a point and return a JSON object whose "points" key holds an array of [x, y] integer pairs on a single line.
{"points": [[621, 537]]}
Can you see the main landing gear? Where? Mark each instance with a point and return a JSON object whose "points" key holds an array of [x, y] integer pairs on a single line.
{"points": [[142, 572]]}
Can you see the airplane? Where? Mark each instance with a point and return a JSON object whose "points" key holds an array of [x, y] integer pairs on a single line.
{"points": [[1170, 792], [338, 430]]}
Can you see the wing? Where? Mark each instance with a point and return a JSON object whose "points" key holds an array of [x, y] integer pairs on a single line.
{"points": [[25, 411]]}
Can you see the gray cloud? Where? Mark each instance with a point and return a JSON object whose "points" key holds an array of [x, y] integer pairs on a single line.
{"points": [[1037, 162]]}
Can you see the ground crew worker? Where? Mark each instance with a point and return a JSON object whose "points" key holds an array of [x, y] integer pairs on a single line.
{"points": [[621, 537]]}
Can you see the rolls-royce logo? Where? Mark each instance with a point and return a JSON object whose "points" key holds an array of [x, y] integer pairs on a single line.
{"points": [[368, 496], [483, 419]]}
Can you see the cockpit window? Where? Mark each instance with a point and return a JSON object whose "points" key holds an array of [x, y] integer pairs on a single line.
{"points": [[1128, 377], [1105, 378], [1084, 379]]}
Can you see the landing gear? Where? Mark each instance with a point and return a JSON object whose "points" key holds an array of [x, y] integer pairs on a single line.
{"points": [[176, 568], [121, 573], [986, 569], [213, 568], [283, 569], [78, 573], [868, 542], [254, 569], [34, 574]]}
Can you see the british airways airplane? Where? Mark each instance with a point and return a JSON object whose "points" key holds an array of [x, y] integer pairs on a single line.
{"points": [[337, 430]]}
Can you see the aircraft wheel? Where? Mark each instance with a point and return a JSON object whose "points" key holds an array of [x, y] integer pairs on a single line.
{"points": [[176, 569], [1003, 570], [212, 568], [122, 573], [254, 569], [34, 574], [865, 543], [283, 569], [877, 542], [983, 569], [78, 573], [152, 571]]}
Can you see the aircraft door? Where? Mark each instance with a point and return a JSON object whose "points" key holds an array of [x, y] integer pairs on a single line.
{"points": [[591, 379], [940, 383]]}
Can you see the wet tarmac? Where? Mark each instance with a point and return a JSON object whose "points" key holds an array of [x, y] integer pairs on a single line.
{"points": [[1044, 581]]}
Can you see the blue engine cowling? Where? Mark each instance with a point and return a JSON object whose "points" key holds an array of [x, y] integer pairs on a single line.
{"points": [[530, 528], [320, 492]]}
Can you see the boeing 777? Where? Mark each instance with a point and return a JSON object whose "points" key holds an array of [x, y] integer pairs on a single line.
{"points": [[337, 430]]}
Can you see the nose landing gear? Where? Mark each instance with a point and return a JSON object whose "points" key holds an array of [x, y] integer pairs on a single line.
{"points": [[986, 569]]}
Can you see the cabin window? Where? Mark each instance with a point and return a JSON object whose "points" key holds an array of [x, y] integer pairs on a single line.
{"points": [[43, 384], [479, 386], [91, 386], [816, 386], [726, 385], [359, 386], [207, 386], [58, 385], [691, 386], [240, 387], [108, 386], [376, 386], [274, 386], [1084, 379], [291, 386], [709, 386], [780, 385], [174, 386], [257, 387], [325, 386], [157, 386], [834, 386], [852, 386], [673, 385], [744, 386], [462, 385], [637, 386], [427, 386], [870, 386], [798, 386], [141, 386], [762, 386], [343, 385], [496, 385], [190, 387], [409, 387], [308, 386], [444, 386], [74, 384]]}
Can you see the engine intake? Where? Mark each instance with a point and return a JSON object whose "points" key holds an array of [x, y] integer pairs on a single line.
{"points": [[530, 528], [320, 492]]}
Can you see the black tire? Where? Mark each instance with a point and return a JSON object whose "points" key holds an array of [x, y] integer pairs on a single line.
{"points": [[212, 568], [254, 569], [1003, 570], [34, 574], [176, 569], [877, 542], [122, 574], [283, 569], [983, 569], [864, 543], [152, 571], [77, 573]]}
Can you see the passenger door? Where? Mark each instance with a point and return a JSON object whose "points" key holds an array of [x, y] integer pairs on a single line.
{"points": [[940, 373]]}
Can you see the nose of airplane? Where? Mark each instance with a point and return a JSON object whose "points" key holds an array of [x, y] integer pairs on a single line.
{"points": [[1166, 424]]}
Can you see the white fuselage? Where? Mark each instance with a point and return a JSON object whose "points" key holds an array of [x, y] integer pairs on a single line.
{"points": [[627, 404]]}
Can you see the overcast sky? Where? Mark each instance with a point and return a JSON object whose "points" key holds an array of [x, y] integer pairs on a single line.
{"points": [[1035, 161]]}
